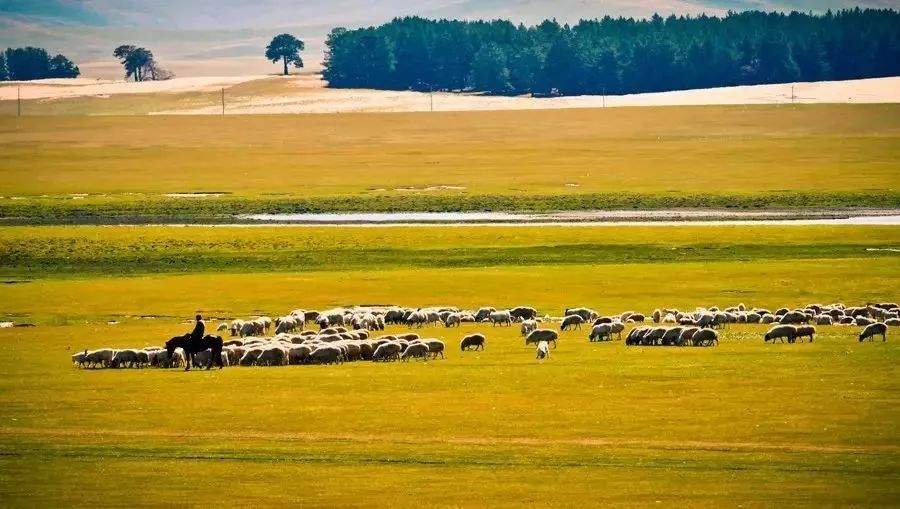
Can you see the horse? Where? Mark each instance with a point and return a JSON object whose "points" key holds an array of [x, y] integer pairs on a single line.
{"points": [[209, 342]]}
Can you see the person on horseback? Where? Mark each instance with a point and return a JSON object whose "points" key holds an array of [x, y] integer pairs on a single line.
{"points": [[199, 330]]}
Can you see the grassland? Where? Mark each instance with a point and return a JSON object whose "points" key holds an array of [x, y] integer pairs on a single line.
{"points": [[737, 156], [599, 424]]}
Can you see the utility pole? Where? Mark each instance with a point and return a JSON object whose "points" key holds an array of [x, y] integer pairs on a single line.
{"points": [[223, 102], [792, 94], [18, 100], [431, 98]]}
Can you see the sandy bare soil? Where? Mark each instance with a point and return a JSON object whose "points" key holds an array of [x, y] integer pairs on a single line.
{"points": [[307, 94], [86, 87]]}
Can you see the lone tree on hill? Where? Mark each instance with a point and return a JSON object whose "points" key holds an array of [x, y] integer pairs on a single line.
{"points": [[140, 64], [287, 48]]}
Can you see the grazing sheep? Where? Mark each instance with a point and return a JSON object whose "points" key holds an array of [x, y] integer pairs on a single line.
{"points": [[483, 314], [636, 335], [706, 320], [527, 327], [767, 318], [872, 330], [250, 356], [637, 318], [657, 315], [473, 342], [893, 322], [654, 336], [687, 335], [162, 359], [273, 356], [410, 336], [435, 347], [415, 350], [671, 336], [793, 317], [782, 332], [386, 352], [539, 335], [601, 332], [542, 351], [78, 359], [571, 321], [705, 337], [862, 321], [500, 317], [824, 320], [586, 314], [222, 326], [523, 313], [326, 354], [617, 327], [806, 331], [669, 318], [452, 320], [417, 318], [124, 359]]}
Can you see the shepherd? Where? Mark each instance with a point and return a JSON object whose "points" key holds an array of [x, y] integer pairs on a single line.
{"points": [[197, 342]]}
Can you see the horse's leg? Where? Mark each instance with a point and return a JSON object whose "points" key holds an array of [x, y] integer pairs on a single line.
{"points": [[187, 361]]}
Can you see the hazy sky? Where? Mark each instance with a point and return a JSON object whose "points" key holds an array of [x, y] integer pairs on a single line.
{"points": [[205, 37]]}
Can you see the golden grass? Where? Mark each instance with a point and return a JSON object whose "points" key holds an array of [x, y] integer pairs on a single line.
{"points": [[730, 149]]}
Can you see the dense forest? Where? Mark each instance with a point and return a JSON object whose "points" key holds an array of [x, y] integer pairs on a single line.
{"points": [[615, 55], [33, 64]]}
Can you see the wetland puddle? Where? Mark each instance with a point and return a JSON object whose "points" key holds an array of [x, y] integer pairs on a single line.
{"points": [[592, 218]]}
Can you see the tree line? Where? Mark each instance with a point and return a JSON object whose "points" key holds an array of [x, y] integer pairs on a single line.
{"points": [[615, 55], [31, 63]]}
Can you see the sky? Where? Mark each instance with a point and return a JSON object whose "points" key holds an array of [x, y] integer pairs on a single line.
{"points": [[228, 37]]}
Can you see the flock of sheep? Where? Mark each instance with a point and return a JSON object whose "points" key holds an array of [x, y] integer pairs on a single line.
{"points": [[343, 335]]}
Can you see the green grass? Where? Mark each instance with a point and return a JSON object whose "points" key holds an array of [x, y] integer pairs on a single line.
{"points": [[598, 424], [717, 156], [31, 251]]}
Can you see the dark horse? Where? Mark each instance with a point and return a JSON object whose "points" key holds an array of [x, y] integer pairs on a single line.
{"points": [[209, 342]]}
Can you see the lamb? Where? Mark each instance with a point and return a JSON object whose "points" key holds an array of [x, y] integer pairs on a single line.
{"points": [[601, 332], [806, 331], [872, 330], [782, 332], [542, 350], [539, 335], [571, 321], [415, 350], [472, 341], [705, 337]]}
